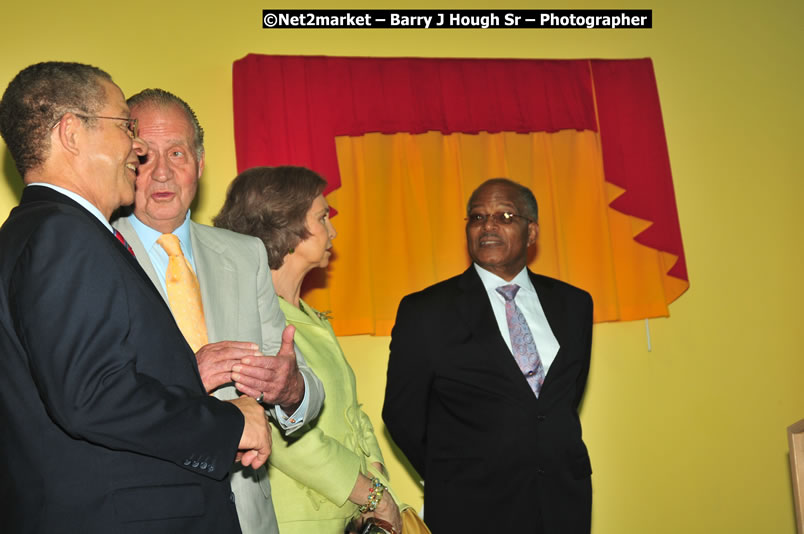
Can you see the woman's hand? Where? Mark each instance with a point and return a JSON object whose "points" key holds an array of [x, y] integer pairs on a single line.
{"points": [[387, 510]]}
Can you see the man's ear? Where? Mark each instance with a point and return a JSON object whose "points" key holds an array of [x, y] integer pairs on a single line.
{"points": [[533, 232], [201, 164], [68, 133]]}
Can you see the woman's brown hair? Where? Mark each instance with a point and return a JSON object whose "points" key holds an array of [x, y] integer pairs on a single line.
{"points": [[271, 203]]}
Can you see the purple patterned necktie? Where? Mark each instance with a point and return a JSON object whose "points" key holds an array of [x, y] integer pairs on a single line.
{"points": [[522, 344]]}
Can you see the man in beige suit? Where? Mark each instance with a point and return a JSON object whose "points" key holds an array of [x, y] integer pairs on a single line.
{"points": [[241, 311]]}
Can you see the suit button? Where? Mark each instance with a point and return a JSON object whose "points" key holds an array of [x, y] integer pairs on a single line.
{"points": [[186, 462], [231, 497], [203, 465], [211, 468], [540, 471], [195, 464], [541, 417]]}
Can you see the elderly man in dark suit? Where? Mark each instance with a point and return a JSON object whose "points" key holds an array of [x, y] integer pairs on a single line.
{"points": [[106, 423], [484, 380]]}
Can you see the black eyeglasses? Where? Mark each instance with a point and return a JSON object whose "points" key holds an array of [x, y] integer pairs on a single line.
{"points": [[131, 124], [503, 217]]}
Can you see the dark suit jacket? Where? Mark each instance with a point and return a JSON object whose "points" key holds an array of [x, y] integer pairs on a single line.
{"points": [[494, 458], [106, 427]]}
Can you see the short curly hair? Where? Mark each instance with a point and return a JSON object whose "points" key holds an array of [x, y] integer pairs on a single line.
{"points": [[271, 203], [525, 199], [38, 97]]}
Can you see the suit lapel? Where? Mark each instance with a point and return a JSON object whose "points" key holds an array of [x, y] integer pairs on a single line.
{"points": [[45, 194], [215, 272], [554, 310], [475, 310], [123, 225]]}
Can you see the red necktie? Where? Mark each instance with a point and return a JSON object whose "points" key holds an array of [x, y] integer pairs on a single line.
{"points": [[123, 241]]}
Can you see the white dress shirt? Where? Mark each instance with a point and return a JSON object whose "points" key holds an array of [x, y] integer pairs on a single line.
{"points": [[528, 302]]}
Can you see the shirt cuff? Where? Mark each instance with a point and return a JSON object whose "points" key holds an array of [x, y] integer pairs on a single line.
{"points": [[296, 419]]}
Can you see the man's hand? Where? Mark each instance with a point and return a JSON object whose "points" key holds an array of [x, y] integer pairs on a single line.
{"points": [[255, 442], [276, 378], [215, 361]]}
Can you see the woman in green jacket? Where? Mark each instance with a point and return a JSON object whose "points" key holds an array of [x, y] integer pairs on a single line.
{"points": [[334, 471]]}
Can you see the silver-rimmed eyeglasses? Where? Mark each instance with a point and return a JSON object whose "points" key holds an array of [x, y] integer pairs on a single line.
{"points": [[132, 125]]}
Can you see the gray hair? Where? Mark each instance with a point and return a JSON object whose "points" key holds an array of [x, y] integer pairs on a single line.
{"points": [[161, 98], [38, 97], [525, 199]]}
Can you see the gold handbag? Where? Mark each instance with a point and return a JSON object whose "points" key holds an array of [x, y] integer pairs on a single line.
{"points": [[412, 523]]}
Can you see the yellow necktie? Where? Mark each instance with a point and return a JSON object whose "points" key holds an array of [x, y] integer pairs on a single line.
{"points": [[184, 293]]}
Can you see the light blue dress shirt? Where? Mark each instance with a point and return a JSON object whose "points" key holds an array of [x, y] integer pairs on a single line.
{"points": [[159, 259]]}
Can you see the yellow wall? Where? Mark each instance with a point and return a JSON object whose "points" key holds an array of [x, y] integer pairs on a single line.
{"points": [[687, 438]]}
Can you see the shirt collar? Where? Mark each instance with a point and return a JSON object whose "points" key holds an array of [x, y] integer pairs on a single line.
{"points": [[148, 235], [491, 281]]}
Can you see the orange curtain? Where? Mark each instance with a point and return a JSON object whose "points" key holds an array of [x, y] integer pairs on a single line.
{"points": [[403, 142], [400, 223]]}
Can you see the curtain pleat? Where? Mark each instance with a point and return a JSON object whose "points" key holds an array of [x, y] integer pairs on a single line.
{"points": [[636, 157], [402, 205]]}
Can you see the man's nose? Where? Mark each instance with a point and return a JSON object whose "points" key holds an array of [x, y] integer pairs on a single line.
{"points": [[490, 221], [140, 146], [162, 170]]}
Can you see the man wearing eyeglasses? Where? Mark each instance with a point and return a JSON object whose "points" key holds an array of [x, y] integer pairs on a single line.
{"points": [[106, 423], [485, 376]]}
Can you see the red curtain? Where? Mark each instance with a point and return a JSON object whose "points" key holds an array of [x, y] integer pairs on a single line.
{"points": [[289, 109]]}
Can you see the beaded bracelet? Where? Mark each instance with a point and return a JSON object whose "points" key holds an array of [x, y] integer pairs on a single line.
{"points": [[375, 495]]}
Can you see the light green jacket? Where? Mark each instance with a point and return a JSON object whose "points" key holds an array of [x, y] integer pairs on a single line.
{"points": [[313, 471]]}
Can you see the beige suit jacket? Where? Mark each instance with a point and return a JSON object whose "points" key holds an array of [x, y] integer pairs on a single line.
{"points": [[239, 305]]}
